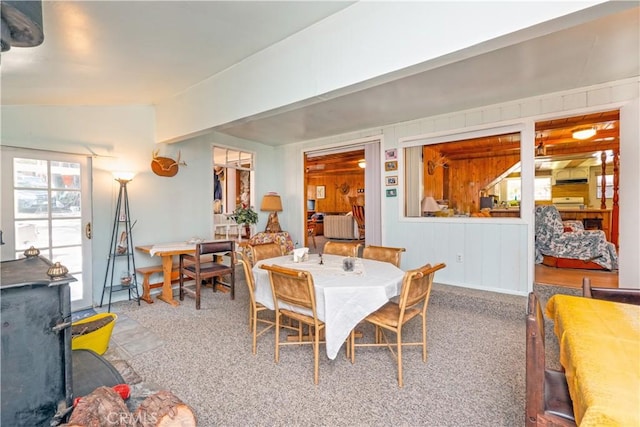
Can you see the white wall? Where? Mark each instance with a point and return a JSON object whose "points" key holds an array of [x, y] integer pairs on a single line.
{"points": [[497, 255], [122, 138]]}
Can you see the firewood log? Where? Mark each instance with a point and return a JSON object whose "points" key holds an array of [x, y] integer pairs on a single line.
{"points": [[164, 409], [102, 407]]}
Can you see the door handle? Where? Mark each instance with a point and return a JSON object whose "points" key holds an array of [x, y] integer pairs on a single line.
{"points": [[87, 230]]}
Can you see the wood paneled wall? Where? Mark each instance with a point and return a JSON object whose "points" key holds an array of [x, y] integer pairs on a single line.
{"points": [[460, 181], [335, 200]]}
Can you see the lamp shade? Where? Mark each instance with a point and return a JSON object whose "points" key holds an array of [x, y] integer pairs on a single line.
{"points": [[429, 204], [271, 203]]}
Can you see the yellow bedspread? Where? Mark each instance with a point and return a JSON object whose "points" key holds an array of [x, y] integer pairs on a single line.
{"points": [[600, 352]]}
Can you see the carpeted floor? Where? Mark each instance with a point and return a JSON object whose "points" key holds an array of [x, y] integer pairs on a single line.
{"points": [[474, 375]]}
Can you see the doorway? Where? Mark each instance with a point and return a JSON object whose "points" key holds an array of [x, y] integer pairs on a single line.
{"points": [[582, 179], [46, 203]]}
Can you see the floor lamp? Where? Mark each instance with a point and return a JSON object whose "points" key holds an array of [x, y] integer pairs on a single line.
{"points": [[122, 249], [271, 203]]}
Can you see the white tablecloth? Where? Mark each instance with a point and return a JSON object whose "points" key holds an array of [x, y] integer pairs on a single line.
{"points": [[343, 299]]}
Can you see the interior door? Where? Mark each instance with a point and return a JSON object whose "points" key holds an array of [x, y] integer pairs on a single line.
{"points": [[46, 203]]}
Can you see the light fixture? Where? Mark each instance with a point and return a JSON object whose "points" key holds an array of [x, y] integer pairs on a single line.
{"points": [[362, 164], [271, 203], [123, 177], [540, 150], [584, 133], [21, 24], [430, 206]]}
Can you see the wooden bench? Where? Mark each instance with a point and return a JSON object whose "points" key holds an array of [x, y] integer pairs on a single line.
{"points": [[146, 273], [548, 402]]}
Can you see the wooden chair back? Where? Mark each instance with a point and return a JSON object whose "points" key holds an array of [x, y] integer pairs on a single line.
{"points": [[265, 251], [547, 394], [416, 288], [208, 262], [623, 295], [341, 248], [248, 274], [358, 214], [294, 287], [383, 253]]}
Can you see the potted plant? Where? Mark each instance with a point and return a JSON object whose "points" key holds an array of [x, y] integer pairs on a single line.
{"points": [[246, 216]]}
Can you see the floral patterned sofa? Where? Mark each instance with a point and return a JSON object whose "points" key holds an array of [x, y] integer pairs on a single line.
{"points": [[570, 241], [282, 238]]}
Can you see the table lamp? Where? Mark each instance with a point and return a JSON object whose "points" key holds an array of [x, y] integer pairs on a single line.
{"points": [[271, 203], [430, 206]]}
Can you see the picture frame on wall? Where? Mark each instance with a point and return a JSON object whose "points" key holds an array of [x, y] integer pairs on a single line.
{"points": [[391, 166], [391, 192], [320, 192], [391, 154], [391, 180]]}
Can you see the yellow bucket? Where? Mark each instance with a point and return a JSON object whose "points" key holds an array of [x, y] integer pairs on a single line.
{"points": [[97, 340]]}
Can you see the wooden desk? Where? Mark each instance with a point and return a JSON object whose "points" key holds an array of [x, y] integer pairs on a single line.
{"points": [[600, 351], [166, 252]]}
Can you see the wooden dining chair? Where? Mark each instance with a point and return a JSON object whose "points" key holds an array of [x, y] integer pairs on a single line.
{"points": [[414, 299], [208, 262], [312, 229], [341, 248], [548, 402], [383, 253], [264, 251], [295, 289], [254, 307], [623, 295]]}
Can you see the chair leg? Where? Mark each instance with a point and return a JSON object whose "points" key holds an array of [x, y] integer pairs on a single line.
{"points": [[181, 282], [233, 284], [198, 285], [277, 350], [255, 331], [316, 354], [399, 345], [424, 339]]}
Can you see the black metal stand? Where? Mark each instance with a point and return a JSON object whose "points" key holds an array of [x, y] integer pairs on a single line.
{"points": [[120, 250]]}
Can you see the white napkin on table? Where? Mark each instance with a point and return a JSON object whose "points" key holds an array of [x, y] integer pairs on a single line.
{"points": [[300, 254]]}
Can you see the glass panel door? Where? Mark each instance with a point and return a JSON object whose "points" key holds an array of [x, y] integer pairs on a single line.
{"points": [[45, 202]]}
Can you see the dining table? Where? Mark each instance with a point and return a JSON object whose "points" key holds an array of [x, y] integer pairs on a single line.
{"points": [[343, 298], [600, 352], [166, 251]]}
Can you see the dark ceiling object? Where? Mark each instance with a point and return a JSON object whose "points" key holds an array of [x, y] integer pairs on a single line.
{"points": [[21, 23]]}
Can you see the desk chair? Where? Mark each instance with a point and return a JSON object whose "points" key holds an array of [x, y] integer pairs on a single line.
{"points": [[200, 266], [341, 248], [624, 295], [414, 299], [383, 253], [295, 288], [547, 395]]}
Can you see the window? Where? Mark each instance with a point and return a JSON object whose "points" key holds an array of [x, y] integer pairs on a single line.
{"points": [[456, 173], [541, 191], [608, 187]]}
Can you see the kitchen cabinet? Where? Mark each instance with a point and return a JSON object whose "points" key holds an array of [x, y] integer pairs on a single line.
{"points": [[311, 192], [571, 174]]}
